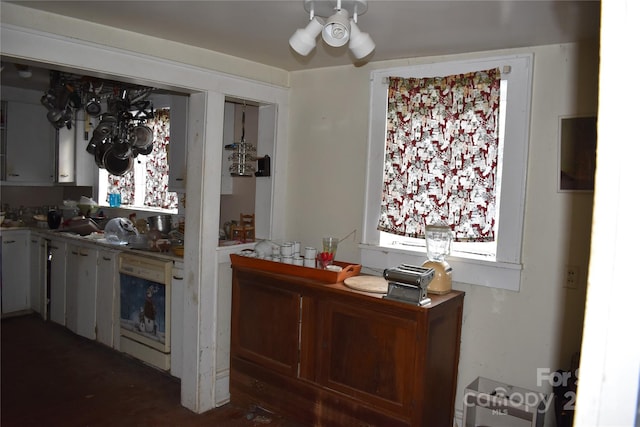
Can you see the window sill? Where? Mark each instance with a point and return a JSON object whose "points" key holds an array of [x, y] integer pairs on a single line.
{"points": [[492, 274]]}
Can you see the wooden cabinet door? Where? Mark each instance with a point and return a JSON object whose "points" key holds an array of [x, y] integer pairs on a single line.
{"points": [[265, 323], [368, 354]]}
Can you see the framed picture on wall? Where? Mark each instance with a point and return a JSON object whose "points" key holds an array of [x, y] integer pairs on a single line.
{"points": [[577, 153]]}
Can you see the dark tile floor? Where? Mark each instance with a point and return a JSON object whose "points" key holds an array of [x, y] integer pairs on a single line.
{"points": [[52, 377]]}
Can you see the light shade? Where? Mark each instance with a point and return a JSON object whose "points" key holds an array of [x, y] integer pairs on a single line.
{"points": [[360, 43], [336, 30], [304, 40]]}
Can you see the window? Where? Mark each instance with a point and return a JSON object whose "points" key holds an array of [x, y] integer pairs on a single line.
{"points": [[496, 263], [145, 187]]}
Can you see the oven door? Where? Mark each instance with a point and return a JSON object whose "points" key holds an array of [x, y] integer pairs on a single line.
{"points": [[145, 301]]}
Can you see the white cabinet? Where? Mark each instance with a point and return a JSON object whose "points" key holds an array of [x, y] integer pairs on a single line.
{"points": [[85, 167], [81, 290], [58, 279], [108, 303], [30, 156], [228, 136], [178, 115], [15, 271], [75, 164], [65, 144], [177, 317], [38, 274]]}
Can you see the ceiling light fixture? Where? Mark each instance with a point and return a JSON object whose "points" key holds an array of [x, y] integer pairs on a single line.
{"points": [[337, 30]]}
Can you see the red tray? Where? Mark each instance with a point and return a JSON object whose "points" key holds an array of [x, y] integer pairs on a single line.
{"points": [[324, 276]]}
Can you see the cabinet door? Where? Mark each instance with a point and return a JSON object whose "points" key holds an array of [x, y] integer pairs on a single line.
{"points": [[85, 167], [106, 314], [178, 143], [368, 354], [30, 144], [58, 278], [38, 274], [265, 323], [81, 290], [15, 271], [177, 318]]}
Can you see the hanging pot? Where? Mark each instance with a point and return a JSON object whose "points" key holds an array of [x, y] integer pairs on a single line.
{"points": [[93, 107], [114, 163], [142, 137]]}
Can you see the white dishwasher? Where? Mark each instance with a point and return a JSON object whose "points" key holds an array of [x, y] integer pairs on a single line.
{"points": [[145, 309]]}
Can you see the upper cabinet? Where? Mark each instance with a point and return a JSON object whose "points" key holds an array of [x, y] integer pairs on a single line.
{"points": [[28, 139], [177, 156], [34, 152]]}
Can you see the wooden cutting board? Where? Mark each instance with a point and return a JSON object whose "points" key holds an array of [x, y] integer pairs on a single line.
{"points": [[364, 283]]}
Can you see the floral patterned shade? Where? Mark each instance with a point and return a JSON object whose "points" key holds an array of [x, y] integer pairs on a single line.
{"points": [[441, 155], [157, 169]]}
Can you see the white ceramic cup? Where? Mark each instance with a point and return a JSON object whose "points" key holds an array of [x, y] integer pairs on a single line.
{"points": [[309, 262], [298, 260], [287, 259], [286, 249], [310, 253], [296, 248]]}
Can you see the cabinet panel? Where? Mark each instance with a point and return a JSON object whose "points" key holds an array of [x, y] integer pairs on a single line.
{"points": [[15, 271], [266, 324], [58, 277], [37, 291], [367, 354], [178, 143], [30, 144], [106, 314], [81, 291]]}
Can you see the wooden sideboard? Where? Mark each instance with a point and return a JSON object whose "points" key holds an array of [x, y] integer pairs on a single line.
{"points": [[326, 355]]}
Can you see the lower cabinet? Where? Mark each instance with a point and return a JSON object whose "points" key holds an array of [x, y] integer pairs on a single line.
{"points": [[81, 290], [106, 296], [38, 275], [177, 317], [58, 280], [15, 271], [327, 355]]}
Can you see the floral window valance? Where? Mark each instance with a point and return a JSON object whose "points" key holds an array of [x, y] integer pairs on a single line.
{"points": [[441, 155]]}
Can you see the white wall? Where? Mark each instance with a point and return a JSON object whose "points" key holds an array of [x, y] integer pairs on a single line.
{"points": [[507, 336]]}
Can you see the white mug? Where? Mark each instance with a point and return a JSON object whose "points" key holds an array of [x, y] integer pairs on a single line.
{"points": [[310, 253], [286, 249]]}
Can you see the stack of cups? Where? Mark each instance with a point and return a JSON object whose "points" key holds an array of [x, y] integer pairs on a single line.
{"points": [[286, 253], [310, 257], [297, 258]]}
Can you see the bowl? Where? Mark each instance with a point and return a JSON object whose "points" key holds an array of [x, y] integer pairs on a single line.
{"points": [[87, 210], [178, 250]]}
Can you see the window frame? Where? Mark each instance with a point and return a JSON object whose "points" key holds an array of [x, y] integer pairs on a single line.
{"points": [[159, 101], [505, 271]]}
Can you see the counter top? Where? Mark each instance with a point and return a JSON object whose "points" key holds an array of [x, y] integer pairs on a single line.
{"points": [[86, 241]]}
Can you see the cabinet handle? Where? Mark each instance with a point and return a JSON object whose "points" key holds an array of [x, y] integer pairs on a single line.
{"points": [[14, 174], [178, 277], [82, 254], [74, 253], [106, 258], [9, 241], [179, 179], [64, 175]]}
